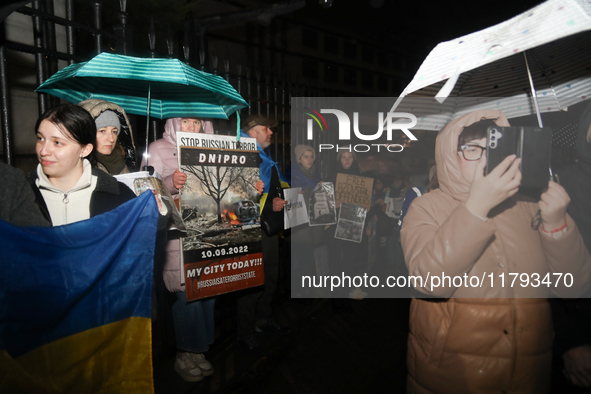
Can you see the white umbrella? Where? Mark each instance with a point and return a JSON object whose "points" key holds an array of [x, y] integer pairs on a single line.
{"points": [[536, 62]]}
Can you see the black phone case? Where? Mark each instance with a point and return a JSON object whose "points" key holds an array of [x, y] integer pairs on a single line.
{"points": [[500, 143], [536, 154], [532, 144]]}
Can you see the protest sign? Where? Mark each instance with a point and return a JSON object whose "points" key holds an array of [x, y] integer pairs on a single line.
{"points": [[394, 206], [353, 189], [322, 211], [220, 205], [351, 222], [295, 210], [141, 181]]}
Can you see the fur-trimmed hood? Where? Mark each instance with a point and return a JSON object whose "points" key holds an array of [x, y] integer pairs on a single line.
{"points": [[125, 138]]}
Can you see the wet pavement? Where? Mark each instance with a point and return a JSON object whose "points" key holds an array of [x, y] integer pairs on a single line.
{"points": [[362, 350]]}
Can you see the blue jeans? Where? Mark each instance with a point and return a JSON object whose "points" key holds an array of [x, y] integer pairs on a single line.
{"points": [[193, 323]]}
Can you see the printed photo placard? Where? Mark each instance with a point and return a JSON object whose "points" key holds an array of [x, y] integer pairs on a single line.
{"points": [[220, 206]]}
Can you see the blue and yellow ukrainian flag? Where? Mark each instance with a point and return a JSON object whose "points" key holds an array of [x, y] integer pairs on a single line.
{"points": [[75, 304]]}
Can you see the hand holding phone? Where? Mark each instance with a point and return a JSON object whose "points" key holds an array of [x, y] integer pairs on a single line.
{"points": [[486, 192], [533, 145], [553, 204]]}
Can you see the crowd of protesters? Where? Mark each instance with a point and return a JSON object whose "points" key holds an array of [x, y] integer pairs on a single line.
{"points": [[464, 221], [461, 221]]}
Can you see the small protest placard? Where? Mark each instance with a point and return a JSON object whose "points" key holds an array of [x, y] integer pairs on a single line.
{"points": [[351, 222], [394, 206], [322, 206], [141, 181], [353, 189], [295, 210]]}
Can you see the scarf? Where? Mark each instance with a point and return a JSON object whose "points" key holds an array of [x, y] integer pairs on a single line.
{"points": [[114, 163], [309, 173], [306, 179]]}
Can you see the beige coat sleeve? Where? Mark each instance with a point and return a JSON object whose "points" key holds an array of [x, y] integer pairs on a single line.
{"points": [[450, 249], [568, 260]]}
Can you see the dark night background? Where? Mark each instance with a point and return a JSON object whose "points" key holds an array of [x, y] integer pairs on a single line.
{"points": [[413, 27]]}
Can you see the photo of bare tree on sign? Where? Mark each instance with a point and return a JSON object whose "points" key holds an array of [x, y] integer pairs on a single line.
{"points": [[212, 181], [220, 206]]}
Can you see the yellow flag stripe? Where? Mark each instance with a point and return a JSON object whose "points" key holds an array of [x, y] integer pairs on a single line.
{"points": [[114, 358]]}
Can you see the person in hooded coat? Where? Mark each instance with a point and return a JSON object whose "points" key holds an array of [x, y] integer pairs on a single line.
{"points": [[485, 338], [345, 256], [304, 170], [114, 149], [572, 318], [304, 238], [194, 321]]}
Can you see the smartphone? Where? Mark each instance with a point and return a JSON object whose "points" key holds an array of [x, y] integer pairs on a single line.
{"points": [[532, 144]]}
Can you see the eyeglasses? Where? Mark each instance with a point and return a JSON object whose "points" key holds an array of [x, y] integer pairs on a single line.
{"points": [[472, 152]]}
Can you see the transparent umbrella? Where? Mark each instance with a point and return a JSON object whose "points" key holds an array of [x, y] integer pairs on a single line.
{"points": [[536, 62]]}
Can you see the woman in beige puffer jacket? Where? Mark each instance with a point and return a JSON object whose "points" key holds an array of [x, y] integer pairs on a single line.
{"points": [[488, 339]]}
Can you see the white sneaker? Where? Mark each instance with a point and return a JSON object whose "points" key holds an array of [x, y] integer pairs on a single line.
{"points": [[187, 368], [204, 365], [357, 294]]}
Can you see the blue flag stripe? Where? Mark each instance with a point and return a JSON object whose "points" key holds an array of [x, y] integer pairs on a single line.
{"points": [[55, 282]]}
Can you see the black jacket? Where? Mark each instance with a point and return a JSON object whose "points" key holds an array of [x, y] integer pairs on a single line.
{"points": [[108, 194], [572, 318], [17, 202]]}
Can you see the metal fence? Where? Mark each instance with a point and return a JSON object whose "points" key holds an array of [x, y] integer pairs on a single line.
{"points": [[44, 49], [266, 94]]}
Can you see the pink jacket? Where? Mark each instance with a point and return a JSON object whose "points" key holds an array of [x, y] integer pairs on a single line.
{"points": [[163, 157]]}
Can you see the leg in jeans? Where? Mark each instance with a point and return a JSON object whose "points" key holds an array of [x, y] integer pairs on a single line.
{"points": [[193, 323]]}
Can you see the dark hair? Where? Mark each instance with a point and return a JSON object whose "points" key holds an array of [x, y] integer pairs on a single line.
{"points": [[74, 122], [475, 131]]}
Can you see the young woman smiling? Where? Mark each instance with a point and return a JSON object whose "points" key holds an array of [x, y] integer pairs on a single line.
{"points": [[68, 188]]}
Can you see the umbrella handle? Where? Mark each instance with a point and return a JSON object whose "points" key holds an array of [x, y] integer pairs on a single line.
{"points": [[238, 125], [146, 155], [533, 91]]}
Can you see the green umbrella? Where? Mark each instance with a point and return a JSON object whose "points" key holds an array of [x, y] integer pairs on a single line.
{"points": [[161, 88]]}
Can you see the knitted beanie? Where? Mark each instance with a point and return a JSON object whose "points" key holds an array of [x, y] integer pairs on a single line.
{"points": [[300, 149], [107, 118]]}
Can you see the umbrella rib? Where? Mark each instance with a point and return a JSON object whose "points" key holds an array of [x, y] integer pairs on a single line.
{"points": [[532, 52], [469, 75]]}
